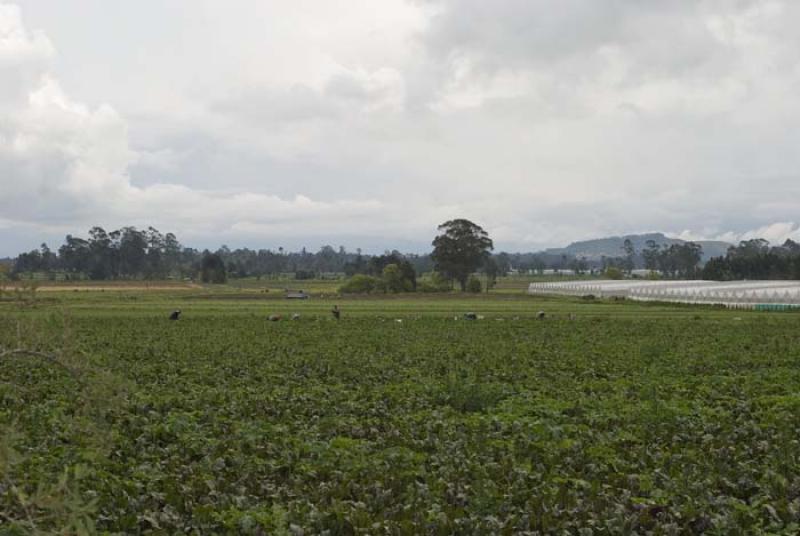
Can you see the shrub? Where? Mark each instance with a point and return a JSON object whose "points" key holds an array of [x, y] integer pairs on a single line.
{"points": [[474, 285], [394, 281], [612, 272], [436, 283], [359, 284], [427, 286]]}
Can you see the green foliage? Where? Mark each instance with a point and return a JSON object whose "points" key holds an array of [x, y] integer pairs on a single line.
{"points": [[462, 248], [612, 272], [755, 259], [628, 420], [394, 281], [359, 284], [212, 269], [24, 293], [468, 394], [304, 275], [675, 260], [435, 283], [407, 273], [474, 285]]}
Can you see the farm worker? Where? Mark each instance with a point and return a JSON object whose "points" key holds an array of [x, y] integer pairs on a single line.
{"points": [[335, 312]]}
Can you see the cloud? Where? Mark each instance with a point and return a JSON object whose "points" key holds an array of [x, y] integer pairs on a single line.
{"points": [[64, 164], [543, 123], [24, 57], [775, 233]]}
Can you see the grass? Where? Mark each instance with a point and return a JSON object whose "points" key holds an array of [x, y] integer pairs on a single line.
{"points": [[402, 418]]}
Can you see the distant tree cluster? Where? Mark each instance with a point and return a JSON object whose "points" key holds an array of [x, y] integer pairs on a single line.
{"points": [[124, 253], [756, 259], [681, 261], [459, 252], [388, 273], [130, 253]]}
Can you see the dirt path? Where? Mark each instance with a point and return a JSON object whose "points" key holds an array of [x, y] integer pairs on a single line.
{"points": [[109, 288]]}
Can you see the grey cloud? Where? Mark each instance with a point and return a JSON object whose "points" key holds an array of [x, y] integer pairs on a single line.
{"points": [[277, 107], [666, 36], [545, 121]]}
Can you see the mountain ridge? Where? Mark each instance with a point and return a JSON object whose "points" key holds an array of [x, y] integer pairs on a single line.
{"points": [[612, 246]]}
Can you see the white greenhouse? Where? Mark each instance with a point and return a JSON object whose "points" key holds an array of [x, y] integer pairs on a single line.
{"points": [[759, 295]]}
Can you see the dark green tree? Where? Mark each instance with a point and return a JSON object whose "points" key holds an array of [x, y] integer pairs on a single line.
{"points": [[393, 279], [491, 269], [462, 248], [630, 255], [101, 254], [503, 261], [376, 265], [74, 255], [132, 251], [650, 255], [212, 269]]}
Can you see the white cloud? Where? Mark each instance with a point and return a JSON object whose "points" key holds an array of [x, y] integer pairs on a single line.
{"points": [[775, 233], [67, 164], [544, 122]]}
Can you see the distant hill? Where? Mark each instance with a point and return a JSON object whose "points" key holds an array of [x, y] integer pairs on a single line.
{"points": [[595, 249]]}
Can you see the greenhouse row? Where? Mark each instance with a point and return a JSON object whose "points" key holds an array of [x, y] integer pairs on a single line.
{"points": [[760, 295]]}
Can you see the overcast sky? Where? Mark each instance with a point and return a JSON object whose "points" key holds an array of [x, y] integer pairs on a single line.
{"points": [[366, 123]]}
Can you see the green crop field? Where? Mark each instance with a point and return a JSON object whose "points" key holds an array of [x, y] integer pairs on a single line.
{"points": [[401, 418]]}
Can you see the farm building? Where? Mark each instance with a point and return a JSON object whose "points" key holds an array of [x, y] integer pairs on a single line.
{"points": [[766, 295]]}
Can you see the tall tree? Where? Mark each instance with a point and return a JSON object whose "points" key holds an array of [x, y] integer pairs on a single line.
{"points": [[101, 254], [462, 248], [651, 255], [630, 255], [132, 252], [491, 269], [74, 255], [212, 268]]}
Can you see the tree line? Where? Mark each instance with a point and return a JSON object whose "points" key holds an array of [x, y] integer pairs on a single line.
{"points": [[131, 253], [460, 250], [458, 253], [673, 261], [756, 259], [678, 261]]}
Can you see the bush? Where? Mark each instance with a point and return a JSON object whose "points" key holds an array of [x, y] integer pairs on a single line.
{"points": [[394, 281], [427, 286], [360, 284], [436, 283], [474, 285], [613, 272]]}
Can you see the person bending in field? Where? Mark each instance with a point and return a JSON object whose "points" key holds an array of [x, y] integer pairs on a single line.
{"points": [[335, 312], [175, 314]]}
